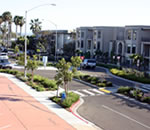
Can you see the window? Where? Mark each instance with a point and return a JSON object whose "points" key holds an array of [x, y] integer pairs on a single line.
{"points": [[129, 34], [78, 44], [94, 45], [134, 34], [89, 44], [133, 49], [98, 45], [82, 34], [128, 49], [99, 34], [82, 43]]}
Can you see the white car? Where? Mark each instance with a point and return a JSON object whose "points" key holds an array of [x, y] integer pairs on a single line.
{"points": [[88, 63]]}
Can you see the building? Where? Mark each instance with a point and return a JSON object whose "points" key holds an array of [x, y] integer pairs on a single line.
{"points": [[121, 41], [62, 37]]}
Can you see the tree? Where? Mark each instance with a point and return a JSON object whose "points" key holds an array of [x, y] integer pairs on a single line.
{"points": [[35, 26], [69, 49], [137, 59], [21, 23], [16, 50], [7, 18], [16, 21], [32, 65], [64, 74]]}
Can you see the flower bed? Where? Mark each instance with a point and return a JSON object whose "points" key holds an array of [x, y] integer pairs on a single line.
{"points": [[135, 93]]}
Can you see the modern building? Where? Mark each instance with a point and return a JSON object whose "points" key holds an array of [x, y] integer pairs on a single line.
{"points": [[121, 41]]}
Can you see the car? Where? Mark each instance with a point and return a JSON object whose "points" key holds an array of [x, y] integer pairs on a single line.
{"points": [[4, 63], [88, 63]]}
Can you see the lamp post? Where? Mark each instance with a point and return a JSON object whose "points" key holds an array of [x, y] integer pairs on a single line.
{"points": [[55, 37], [25, 51]]}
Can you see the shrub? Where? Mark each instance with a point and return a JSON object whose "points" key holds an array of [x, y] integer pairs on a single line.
{"points": [[93, 82], [124, 90], [47, 83], [109, 84], [104, 81], [101, 85]]}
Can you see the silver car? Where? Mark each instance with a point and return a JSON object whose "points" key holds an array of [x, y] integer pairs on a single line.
{"points": [[88, 63]]}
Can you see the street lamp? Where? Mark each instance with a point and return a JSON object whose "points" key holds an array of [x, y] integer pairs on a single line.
{"points": [[55, 37], [25, 52]]}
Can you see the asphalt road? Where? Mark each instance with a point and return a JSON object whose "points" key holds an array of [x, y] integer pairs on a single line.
{"points": [[111, 113]]}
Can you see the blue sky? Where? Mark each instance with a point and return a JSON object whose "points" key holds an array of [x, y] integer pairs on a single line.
{"points": [[69, 14]]}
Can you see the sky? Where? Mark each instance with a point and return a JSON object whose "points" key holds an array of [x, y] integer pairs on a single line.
{"points": [[70, 14]]}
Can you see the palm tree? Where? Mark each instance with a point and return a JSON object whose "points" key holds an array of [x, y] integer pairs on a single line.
{"points": [[21, 23], [1, 20], [7, 18], [35, 26], [16, 21]]}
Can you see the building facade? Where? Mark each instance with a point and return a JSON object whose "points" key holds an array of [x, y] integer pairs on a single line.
{"points": [[121, 41]]}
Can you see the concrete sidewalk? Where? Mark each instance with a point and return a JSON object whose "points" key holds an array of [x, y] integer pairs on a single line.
{"points": [[22, 108]]}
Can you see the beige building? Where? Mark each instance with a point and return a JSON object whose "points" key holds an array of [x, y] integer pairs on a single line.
{"points": [[122, 41]]}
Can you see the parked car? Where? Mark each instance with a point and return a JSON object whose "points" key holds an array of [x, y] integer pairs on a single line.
{"points": [[4, 63], [88, 63]]}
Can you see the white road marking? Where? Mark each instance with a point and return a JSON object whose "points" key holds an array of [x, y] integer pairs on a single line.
{"points": [[86, 91], [82, 95], [97, 91], [123, 115], [4, 127]]}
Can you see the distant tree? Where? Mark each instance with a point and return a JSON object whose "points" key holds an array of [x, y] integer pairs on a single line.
{"points": [[35, 26], [21, 23], [16, 21]]}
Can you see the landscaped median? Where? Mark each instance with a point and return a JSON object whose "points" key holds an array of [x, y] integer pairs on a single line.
{"points": [[93, 80], [131, 74], [135, 93]]}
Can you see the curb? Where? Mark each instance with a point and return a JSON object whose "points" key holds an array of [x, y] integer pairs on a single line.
{"points": [[145, 105], [71, 109]]}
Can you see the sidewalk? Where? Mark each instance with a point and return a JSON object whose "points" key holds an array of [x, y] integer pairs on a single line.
{"points": [[22, 108]]}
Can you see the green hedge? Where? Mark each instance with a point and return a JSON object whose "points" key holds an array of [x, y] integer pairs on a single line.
{"points": [[132, 75]]}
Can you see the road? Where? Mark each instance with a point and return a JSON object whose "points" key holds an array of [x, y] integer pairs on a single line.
{"points": [[111, 113], [107, 111]]}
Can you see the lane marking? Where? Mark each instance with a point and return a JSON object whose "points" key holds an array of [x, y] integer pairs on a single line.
{"points": [[4, 127], [86, 91], [97, 91], [82, 95], [104, 90], [123, 115]]}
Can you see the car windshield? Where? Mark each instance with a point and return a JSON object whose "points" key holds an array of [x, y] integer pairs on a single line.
{"points": [[4, 61], [92, 61]]}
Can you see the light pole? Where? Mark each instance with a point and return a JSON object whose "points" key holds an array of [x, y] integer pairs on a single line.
{"points": [[55, 37], [25, 51]]}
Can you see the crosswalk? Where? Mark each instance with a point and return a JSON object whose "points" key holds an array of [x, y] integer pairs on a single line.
{"points": [[88, 92]]}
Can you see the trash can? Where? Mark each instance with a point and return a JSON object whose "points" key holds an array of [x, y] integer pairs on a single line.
{"points": [[63, 96]]}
